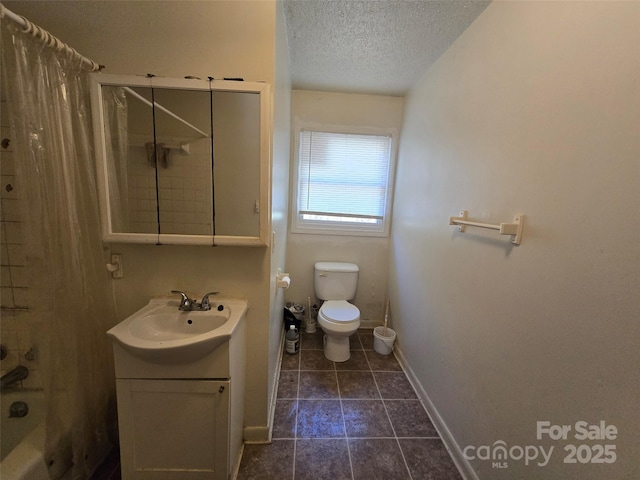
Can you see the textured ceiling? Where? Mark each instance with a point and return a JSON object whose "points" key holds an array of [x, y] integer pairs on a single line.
{"points": [[370, 46]]}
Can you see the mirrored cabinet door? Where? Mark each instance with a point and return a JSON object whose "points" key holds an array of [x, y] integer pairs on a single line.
{"points": [[236, 153], [183, 162], [128, 126]]}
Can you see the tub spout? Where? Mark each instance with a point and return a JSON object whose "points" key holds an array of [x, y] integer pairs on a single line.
{"points": [[14, 376]]}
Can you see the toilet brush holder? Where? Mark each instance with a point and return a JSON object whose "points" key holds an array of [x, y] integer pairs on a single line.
{"points": [[312, 315], [310, 327]]}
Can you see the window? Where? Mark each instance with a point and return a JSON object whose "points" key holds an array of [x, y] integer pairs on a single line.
{"points": [[343, 183]]}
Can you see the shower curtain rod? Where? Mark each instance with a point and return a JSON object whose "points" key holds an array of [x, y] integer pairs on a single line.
{"points": [[48, 39], [165, 110]]}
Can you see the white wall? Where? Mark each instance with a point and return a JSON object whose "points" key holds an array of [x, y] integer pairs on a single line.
{"points": [[174, 39], [279, 194], [370, 253], [534, 110]]}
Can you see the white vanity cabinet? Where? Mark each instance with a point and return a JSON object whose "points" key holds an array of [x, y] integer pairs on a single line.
{"points": [[180, 416]]}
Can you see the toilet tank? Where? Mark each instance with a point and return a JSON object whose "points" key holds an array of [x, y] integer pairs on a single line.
{"points": [[335, 280]]}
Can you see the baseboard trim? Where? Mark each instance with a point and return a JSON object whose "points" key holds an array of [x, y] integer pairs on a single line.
{"points": [[462, 464], [276, 378], [262, 434], [369, 324], [259, 435]]}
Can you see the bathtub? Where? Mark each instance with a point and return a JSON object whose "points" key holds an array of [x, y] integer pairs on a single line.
{"points": [[23, 440]]}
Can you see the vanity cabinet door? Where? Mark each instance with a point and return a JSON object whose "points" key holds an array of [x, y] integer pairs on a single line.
{"points": [[173, 429]]}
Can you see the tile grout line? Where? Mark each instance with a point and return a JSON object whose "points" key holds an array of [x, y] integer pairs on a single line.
{"points": [[344, 423], [295, 425], [395, 435]]}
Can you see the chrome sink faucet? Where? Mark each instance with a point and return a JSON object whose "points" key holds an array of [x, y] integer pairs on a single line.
{"points": [[189, 304]]}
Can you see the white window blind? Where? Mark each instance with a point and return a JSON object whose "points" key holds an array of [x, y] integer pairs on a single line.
{"points": [[343, 180]]}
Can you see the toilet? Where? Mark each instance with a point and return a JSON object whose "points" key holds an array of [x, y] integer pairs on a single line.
{"points": [[335, 283]]}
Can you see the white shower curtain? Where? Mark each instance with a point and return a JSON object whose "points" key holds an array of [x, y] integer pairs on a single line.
{"points": [[70, 299], [116, 135]]}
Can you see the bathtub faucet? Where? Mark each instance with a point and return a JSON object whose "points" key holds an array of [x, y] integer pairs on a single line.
{"points": [[14, 376], [189, 304]]}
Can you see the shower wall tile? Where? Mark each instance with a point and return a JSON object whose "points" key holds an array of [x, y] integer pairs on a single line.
{"points": [[8, 183], [17, 254], [10, 361], [11, 209], [4, 113], [18, 339], [13, 233], [5, 276], [6, 300], [19, 276], [4, 253], [20, 297], [184, 193], [34, 380], [5, 128], [12, 258], [8, 323], [15, 331]]}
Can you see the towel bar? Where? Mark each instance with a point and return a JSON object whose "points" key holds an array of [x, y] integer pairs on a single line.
{"points": [[514, 229]]}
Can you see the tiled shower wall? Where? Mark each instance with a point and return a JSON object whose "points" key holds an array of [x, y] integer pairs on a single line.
{"points": [[15, 334], [184, 191]]}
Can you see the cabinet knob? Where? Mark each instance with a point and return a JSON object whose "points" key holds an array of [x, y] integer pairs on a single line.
{"points": [[221, 389]]}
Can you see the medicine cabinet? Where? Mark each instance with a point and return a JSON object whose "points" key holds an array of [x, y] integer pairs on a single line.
{"points": [[182, 161]]}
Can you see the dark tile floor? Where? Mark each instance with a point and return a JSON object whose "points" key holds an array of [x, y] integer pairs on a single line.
{"points": [[360, 419]]}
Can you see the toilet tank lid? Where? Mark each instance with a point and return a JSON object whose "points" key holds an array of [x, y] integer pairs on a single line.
{"points": [[336, 267]]}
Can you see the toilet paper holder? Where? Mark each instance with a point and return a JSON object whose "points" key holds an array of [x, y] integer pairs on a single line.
{"points": [[283, 280]]}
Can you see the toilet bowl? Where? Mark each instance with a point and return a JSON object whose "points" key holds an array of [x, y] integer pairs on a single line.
{"points": [[338, 319]]}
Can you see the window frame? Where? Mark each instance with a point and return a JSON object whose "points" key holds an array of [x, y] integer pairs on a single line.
{"points": [[298, 225]]}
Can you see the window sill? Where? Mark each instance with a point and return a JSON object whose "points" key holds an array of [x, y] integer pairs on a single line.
{"points": [[338, 232]]}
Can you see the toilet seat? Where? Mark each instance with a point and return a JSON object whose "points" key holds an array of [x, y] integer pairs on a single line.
{"points": [[340, 312], [339, 320]]}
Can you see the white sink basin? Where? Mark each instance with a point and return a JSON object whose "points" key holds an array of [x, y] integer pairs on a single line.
{"points": [[160, 332]]}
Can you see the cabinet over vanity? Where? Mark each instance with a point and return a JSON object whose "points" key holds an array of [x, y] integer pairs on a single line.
{"points": [[182, 161]]}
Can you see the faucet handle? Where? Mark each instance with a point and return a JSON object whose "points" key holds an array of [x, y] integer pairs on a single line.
{"points": [[185, 301], [204, 304]]}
